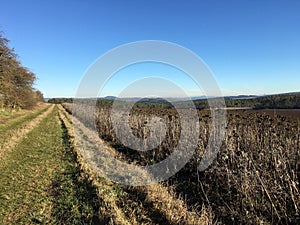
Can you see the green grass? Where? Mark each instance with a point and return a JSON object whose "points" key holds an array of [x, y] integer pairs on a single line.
{"points": [[11, 115], [40, 182], [14, 122], [8, 129], [6, 113]]}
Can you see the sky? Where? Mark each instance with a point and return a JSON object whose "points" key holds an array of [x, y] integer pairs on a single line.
{"points": [[251, 47]]}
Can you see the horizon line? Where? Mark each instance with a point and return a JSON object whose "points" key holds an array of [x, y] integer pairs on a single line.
{"points": [[196, 96]]}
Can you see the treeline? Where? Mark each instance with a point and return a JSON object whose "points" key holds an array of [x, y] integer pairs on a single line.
{"points": [[279, 101], [16, 81], [282, 101], [60, 100]]}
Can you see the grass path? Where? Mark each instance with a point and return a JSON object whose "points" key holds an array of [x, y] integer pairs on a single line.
{"points": [[7, 116], [40, 182], [15, 129]]}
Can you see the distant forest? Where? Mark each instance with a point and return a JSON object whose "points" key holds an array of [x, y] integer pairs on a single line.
{"points": [[16, 81], [278, 101]]}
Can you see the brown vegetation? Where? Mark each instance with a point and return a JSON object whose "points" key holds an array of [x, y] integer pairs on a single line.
{"points": [[150, 204], [255, 178]]}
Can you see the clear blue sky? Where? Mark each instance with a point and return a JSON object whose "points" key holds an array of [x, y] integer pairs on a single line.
{"points": [[253, 47]]}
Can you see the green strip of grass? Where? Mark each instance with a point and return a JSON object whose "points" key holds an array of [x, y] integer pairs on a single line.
{"points": [[7, 129], [21, 119], [40, 182], [9, 115]]}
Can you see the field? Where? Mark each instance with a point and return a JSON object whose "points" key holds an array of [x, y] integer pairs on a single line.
{"points": [[46, 178]]}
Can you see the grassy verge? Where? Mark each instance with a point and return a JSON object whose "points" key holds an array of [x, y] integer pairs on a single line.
{"points": [[7, 129], [7, 115], [41, 183], [21, 118]]}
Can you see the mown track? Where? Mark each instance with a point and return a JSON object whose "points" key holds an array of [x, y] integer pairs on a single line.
{"points": [[14, 130], [41, 182]]}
